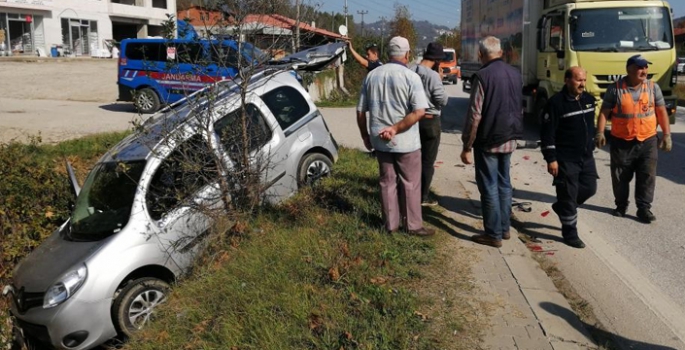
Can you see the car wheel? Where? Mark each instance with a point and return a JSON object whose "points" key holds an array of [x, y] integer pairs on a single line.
{"points": [[147, 101], [135, 304], [313, 167]]}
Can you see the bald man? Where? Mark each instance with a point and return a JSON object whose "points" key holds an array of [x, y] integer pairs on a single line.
{"points": [[567, 135]]}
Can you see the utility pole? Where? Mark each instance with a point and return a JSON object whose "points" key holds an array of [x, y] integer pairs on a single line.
{"points": [[345, 8], [382, 18], [362, 12], [296, 40]]}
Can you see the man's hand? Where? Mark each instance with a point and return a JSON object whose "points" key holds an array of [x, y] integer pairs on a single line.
{"points": [[600, 139], [666, 143], [387, 133], [367, 142], [466, 157], [553, 168]]}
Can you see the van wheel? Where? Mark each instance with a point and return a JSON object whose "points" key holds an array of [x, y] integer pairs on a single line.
{"points": [[147, 101], [134, 306], [313, 167]]}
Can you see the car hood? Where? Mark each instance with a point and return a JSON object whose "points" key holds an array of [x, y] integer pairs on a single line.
{"points": [[51, 260]]}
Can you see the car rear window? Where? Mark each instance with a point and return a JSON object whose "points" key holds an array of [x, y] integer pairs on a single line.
{"points": [[287, 105]]}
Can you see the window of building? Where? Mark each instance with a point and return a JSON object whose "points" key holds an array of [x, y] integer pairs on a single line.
{"points": [[79, 36], [160, 4]]}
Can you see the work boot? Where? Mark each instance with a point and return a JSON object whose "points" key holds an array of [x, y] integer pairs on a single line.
{"points": [[506, 235], [487, 240], [619, 212], [645, 215], [575, 242], [422, 232]]}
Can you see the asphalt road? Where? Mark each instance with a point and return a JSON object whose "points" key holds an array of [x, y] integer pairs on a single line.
{"points": [[633, 274]]}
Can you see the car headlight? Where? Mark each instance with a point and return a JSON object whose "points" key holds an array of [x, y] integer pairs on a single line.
{"points": [[65, 287]]}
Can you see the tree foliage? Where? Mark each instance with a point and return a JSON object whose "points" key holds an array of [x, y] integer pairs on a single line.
{"points": [[401, 25], [452, 40]]}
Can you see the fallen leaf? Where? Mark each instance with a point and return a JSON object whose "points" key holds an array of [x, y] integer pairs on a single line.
{"points": [[535, 248], [545, 213], [526, 157], [549, 253], [334, 274], [439, 162], [49, 214]]}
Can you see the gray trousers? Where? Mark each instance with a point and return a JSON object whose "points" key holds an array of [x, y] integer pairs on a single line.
{"points": [[637, 158], [400, 180]]}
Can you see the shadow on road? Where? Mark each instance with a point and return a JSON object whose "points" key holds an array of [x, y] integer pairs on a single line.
{"points": [[119, 107], [602, 337]]}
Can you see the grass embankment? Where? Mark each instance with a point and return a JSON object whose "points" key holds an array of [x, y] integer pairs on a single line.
{"points": [[35, 197], [314, 273], [319, 273]]}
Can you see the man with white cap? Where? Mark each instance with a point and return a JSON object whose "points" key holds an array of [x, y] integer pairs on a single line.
{"points": [[635, 105], [395, 101]]}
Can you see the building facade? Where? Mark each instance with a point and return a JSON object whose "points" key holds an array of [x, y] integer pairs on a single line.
{"points": [[77, 27]]}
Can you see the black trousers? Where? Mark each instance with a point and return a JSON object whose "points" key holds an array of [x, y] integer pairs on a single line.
{"points": [[575, 184], [429, 130], [638, 158]]}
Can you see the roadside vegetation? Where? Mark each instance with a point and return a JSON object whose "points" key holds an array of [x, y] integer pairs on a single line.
{"points": [[315, 272]]}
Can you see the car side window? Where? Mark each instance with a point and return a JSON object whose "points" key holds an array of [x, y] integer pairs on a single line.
{"points": [[230, 134], [186, 170], [190, 53], [287, 105], [224, 56]]}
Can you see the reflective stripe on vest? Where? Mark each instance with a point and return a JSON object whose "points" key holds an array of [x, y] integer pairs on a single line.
{"points": [[630, 120]]}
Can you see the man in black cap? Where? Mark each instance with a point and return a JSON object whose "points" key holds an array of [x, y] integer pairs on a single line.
{"points": [[371, 61], [429, 125], [635, 105]]}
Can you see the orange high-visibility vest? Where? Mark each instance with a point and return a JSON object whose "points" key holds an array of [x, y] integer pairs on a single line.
{"points": [[631, 120]]}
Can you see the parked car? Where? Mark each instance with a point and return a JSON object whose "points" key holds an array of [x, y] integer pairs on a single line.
{"points": [[133, 229], [450, 70], [680, 69], [154, 72]]}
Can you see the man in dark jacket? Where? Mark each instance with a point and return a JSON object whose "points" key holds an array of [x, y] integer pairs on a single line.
{"points": [[494, 122], [567, 135]]}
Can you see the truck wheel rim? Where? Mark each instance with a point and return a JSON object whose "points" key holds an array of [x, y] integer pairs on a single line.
{"points": [[144, 101]]}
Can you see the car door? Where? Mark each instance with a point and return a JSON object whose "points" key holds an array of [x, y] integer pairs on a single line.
{"points": [[261, 139], [181, 198]]}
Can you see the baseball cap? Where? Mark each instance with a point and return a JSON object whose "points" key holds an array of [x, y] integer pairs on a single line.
{"points": [[398, 46], [638, 60]]}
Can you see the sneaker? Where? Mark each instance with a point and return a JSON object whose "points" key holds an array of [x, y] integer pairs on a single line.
{"points": [[506, 235], [619, 212], [575, 243], [429, 202], [645, 215], [422, 232], [487, 240]]}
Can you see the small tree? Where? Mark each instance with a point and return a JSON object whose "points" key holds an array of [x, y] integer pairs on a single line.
{"points": [[452, 40], [401, 25]]}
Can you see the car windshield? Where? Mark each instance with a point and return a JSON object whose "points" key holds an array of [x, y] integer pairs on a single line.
{"points": [[449, 56], [629, 29], [104, 204]]}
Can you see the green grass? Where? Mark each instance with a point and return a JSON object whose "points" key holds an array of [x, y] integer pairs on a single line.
{"points": [[315, 273]]}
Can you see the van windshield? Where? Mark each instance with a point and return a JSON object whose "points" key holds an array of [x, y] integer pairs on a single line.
{"points": [[449, 56], [104, 204]]}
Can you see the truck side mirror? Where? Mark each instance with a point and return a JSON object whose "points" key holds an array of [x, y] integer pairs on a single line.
{"points": [[541, 34]]}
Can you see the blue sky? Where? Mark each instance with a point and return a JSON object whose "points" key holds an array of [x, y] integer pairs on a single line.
{"points": [[442, 12]]}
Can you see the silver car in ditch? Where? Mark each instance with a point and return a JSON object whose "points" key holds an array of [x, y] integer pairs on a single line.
{"points": [[101, 274]]}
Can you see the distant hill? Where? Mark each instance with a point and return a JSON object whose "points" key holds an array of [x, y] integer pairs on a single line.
{"points": [[426, 31]]}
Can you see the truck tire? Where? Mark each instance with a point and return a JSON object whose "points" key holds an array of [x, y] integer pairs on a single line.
{"points": [[146, 101], [540, 109]]}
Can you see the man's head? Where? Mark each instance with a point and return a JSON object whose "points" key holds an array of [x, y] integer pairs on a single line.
{"points": [[372, 52], [637, 68], [575, 78], [489, 48], [398, 49], [434, 52]]}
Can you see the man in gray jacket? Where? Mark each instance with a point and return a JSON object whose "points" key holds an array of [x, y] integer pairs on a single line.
{"points": [[429, 125]]}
